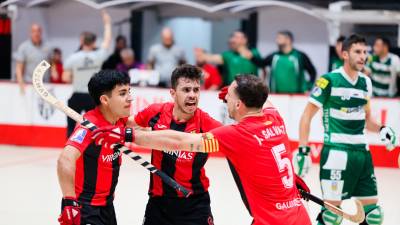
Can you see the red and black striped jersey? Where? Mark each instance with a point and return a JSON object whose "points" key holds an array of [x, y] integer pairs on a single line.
{"points": [[97, 169], [187, 168]]}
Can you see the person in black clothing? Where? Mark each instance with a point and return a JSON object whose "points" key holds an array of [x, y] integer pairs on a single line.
{"points": [[115, 58]]}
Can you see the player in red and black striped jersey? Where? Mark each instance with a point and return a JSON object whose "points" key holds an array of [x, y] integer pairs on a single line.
{"points": [[258, 149], [166, 205], [88, 173]]}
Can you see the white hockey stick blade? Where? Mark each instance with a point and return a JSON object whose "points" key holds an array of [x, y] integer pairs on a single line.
{"points": [[37, 81]]}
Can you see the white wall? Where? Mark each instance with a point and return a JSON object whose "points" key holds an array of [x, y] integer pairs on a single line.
{"points": [[310, 34], [189, 32]]}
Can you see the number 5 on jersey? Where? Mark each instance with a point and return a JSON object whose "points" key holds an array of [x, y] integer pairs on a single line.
{"points": [[283, 164]]}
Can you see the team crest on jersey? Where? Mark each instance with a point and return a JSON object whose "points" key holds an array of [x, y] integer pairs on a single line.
{"points": [[322, 83], [317, 91], [79, 136]]}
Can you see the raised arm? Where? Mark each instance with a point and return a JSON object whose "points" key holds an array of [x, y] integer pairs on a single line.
{"points": [[107, 36]]}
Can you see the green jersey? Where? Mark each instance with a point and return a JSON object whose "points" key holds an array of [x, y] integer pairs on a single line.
{"points": [[287, 71], [236, 64], [343, 103], [335, 63], [383, 74]]}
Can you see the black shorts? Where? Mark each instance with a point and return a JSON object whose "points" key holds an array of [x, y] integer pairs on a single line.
{"points": [[98, 215], [195, 210]]}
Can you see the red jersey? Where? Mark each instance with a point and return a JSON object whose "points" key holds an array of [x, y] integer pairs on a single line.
{"points": [[187, 168], [258, 149], [211, 76], [97, 169]]}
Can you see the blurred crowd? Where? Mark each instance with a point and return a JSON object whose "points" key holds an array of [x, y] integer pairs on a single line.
{"points": [[287, 70]]}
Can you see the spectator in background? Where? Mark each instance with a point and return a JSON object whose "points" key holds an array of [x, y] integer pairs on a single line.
{"points": [[233, 60], [336, 59], [82, 65], [165, 57], [115, 58], [383, 68], [29, 54], [56, 66], [287, 67], [211, 77], [128, 61]]}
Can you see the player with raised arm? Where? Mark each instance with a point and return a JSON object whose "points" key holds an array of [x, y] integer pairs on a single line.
{"points": [[87, 172], [257, 146], [346, 165], [187, 168]]}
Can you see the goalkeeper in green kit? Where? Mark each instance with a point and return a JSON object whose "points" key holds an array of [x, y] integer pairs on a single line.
{"points": [[346, 168]]}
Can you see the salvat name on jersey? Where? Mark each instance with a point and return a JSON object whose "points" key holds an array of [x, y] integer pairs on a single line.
{"points": [[181, 154], [273, 131], [111, 157], [270, 132]]}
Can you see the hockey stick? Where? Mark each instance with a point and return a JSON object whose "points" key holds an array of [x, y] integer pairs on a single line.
{"points": [[37, 81], [358, 217]]}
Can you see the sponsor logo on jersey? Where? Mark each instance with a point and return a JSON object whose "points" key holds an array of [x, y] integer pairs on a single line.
{"points": [[289, 204], [180, 155], [352, 109], [111, 157], [79, 136], [322, 83], [317, 91]]}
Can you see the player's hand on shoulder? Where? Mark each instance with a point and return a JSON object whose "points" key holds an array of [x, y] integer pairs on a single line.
{"points": [[113, 134], [222, 93], [71, 212], [302, 161], [388, 137]]}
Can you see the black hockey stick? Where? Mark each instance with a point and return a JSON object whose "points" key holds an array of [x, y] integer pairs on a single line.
{"points": [[37, 81]]}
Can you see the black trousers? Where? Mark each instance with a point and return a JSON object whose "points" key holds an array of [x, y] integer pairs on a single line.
{"points": [[98, 215], [194, 210], [79, 102]]}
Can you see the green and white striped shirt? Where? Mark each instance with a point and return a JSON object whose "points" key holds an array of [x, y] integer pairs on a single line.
{"points": [[343, 103], [383, 74]]}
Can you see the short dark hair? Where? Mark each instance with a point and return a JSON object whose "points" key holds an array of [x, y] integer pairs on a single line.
{"points": [[352, 39], [185, 71], [104, 82], [385, 41], [287, 33], [341, 38], [88, 38], [252, 91]]}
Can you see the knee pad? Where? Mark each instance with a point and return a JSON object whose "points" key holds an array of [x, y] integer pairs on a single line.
{"points": [[373, 215], [326, 217]]}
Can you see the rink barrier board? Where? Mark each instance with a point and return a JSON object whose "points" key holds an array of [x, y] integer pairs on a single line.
{"points": [[27, 120]]}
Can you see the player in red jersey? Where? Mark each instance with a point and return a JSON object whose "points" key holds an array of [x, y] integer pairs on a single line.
{"points": [[88, 173], [257, 146], [187, 168]]}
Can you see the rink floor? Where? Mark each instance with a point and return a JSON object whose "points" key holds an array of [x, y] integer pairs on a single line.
{"points": [[31, 195]]}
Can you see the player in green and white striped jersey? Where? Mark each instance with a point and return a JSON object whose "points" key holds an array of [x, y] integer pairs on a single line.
{"points": [[346, 165], [383, 68]]}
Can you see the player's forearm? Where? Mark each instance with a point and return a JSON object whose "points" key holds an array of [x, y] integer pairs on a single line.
{"points": [[372, 125], [169, 140], [214, 58], [66, 176], [304, 130]]}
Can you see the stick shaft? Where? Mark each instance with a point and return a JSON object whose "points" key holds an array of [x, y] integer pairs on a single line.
{"points": [[42, 91]]}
